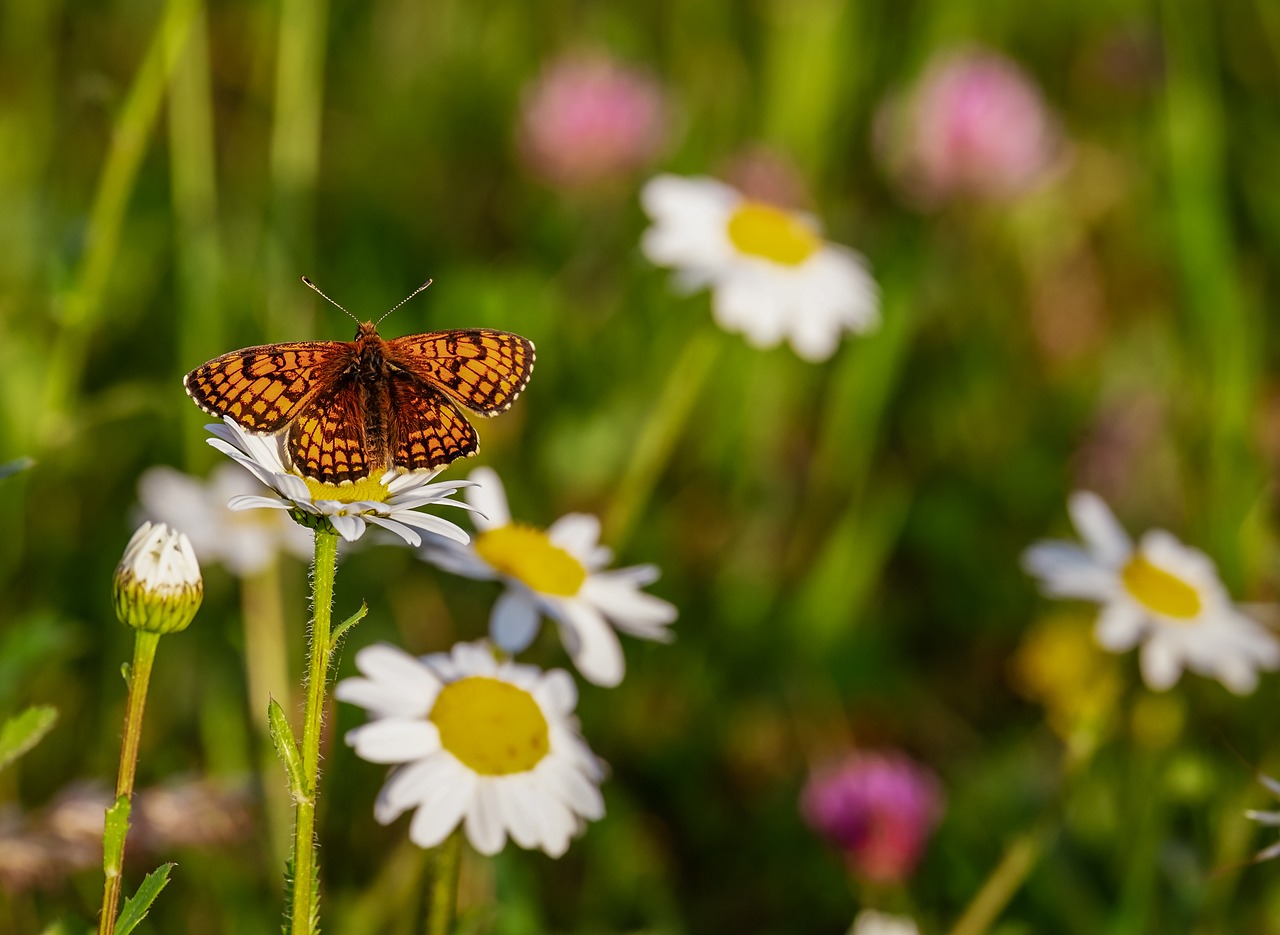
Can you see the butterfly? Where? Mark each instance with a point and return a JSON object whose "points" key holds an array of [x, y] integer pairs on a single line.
{"points": [[351, 408]]}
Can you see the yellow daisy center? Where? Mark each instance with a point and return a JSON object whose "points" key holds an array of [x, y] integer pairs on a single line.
{"points": [[765, 231], [1160, 591], [367, 489], [493, 727], [526, 554]]}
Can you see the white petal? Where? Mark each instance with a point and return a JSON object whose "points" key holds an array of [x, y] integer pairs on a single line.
{"points": [[630, 610], [571, 787], [400, 529], [441, 811], [1099, 528], [413, 783], [455, 559], [489, 498], [392, 666], [514, 621], [1161, 662], [750, 305], [1120, 626], [520, 820], [1066, 570], [378, 698], [394, 740], [253, 502], [590, 642], [350, 528], [435, 525], [558, 692], [484, 819], [576, 533]]}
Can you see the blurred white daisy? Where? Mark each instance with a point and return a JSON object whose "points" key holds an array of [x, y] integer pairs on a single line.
{"points": [[493, 745], [871, 922], [389, 501], [1267, 820], [557, 572], [1163, 595], [772, 276], [245, 542]]}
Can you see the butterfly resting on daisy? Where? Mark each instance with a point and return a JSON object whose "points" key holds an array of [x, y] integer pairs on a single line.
{"points": [[354, 409]]}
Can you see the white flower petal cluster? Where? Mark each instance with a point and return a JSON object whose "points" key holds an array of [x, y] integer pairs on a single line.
{"points": [[158, 587], [1161, 594], [772, 276], [491, 745], [559, 573], [401, 494], [244, 542]]}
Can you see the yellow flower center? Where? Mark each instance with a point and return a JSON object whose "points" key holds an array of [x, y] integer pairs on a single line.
{"points": [[491, 726], [765, 231], [1158, 590], [526, 554], [368, 489]]}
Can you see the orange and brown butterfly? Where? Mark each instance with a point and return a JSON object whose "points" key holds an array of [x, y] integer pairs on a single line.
{"points": [[352, 409]]}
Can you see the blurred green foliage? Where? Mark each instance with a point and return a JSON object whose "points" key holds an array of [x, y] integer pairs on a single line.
{"points": [[842, 540]]}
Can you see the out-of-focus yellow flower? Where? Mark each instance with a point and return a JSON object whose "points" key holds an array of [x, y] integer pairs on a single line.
{"points": [[1061, 667]]}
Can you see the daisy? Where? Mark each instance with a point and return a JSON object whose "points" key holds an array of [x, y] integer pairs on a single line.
{"points": [[244, 542], [491, 745], [557, 573], [771, 274], [389, 501], [1163, 594]]}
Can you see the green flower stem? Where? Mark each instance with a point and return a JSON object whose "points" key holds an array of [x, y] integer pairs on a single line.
{"points": [[266, 664], [144, 654], [444, 887], [304, 852], [658, 437], [1020, 858]]}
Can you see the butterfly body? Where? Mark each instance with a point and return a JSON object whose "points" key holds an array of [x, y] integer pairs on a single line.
{"points": [[351, 408]]}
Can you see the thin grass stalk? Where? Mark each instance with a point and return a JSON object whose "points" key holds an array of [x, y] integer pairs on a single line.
{"points": [[130, 135]]}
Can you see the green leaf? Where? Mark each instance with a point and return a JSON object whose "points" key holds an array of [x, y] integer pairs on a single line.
{"points": [[287, 748], [113, 835], [136, 909], [23, 731], [341, 630], [313, 923]]}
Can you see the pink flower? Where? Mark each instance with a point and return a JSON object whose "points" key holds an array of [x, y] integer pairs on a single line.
{"points": [[879, 808], [975, 126], [588, 120]]}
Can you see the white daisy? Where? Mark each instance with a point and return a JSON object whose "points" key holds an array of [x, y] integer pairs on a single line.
{"points": [[557, 572], [389, 501], [243, 541], [771, 274], [1163, 594], [1267, 820], [493, 745], [870, 922]]}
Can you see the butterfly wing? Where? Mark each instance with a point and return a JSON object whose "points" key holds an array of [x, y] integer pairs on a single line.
{"points": [[263, 388], [481, 369], [426, 431], [327, 440]]}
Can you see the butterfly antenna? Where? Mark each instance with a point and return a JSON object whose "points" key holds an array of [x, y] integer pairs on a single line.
{"points": [[327, 299], [406, 299]]}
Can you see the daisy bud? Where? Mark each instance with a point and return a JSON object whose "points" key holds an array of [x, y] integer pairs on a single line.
{"points": [[880, 809], [158, 587]]}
